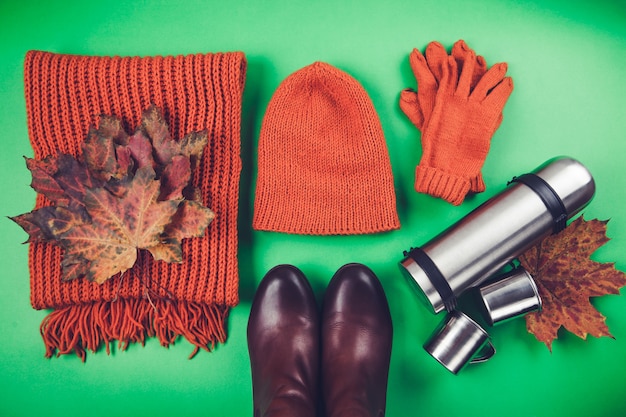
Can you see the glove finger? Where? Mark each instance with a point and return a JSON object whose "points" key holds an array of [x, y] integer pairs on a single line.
{"points": [[411, 108], [479, 70], [500, 94], [436, 57], [427, 87], [488, 81], [466, 73], [459, 48], [449, 81], [422, 73], [459, 51]]}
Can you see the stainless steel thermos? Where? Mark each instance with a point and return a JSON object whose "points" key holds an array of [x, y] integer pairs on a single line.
{"points": [[533, 206]]}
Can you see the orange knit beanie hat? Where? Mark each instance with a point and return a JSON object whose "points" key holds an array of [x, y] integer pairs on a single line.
{"points": [[65, 95], [323, 165]]}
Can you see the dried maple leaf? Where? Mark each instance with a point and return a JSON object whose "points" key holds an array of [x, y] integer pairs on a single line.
{"points": [[124, 194], [102, 147], [566, 278], [186, 222], [63, 180], [119, 226]]}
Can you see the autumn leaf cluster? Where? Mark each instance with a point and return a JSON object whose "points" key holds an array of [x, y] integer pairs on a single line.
{"points": [[123, 194]]}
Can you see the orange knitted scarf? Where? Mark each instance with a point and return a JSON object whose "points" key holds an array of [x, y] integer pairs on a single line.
{"points": [[65, 95]]}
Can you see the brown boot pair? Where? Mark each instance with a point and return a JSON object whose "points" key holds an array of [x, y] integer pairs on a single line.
{"points": [[295, 354]]}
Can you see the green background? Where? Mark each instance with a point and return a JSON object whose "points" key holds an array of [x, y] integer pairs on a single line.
{"points": [[567, 59]]}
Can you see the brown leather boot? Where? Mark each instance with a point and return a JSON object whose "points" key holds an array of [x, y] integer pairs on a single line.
{"points": [[356, 344], [283, 343]]}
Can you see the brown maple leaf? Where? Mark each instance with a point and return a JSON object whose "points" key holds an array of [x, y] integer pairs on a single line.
{"points": [[566, 278]]}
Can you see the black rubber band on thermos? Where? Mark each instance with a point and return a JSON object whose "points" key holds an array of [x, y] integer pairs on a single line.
{"points": [[549, 197], [436, 277]]}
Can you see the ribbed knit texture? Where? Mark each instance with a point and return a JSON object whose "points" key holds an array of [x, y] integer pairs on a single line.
{"points": [[323, 164], [65, 94]]}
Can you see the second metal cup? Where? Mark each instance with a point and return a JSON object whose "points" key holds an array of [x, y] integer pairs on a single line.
{"points": [[512, 295]]}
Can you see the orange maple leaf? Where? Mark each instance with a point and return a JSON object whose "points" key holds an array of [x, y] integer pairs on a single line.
{"points": [[120, 226], [566, 278]]}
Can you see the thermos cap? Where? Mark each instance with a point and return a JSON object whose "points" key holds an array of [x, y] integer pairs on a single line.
{"points": [[571, 181]]}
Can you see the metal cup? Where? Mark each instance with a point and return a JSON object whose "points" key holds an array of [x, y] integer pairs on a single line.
{"points": [[511, 296], [459, 341]]}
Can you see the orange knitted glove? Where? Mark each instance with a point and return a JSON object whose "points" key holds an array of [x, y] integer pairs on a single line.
{"points": [[457, 135], [438, 80]]}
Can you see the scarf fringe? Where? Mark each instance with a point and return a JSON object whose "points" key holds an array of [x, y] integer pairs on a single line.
{"points": [[86, 327]]}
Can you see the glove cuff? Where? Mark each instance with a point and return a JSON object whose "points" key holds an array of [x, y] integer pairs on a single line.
{"points": [[438, 183], [477, 184]]}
